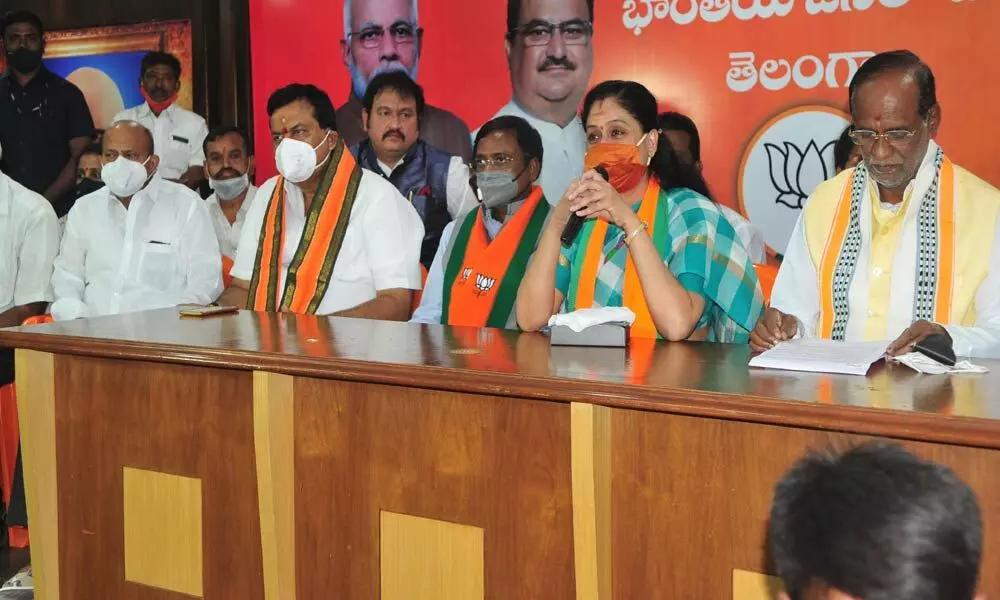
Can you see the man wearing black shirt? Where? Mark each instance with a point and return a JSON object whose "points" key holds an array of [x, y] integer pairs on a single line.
{"points": [[44, 120]]}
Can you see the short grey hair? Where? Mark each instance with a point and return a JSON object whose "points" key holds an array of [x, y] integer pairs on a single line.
{"points": [[414, 12]]}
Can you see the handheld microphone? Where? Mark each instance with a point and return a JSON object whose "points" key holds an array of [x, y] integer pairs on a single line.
{"points": [[575, 222]]}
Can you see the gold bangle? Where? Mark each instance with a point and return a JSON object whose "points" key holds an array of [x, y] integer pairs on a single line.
{"points": [[642, 227]]}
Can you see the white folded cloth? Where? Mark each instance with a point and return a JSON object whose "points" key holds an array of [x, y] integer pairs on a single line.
{"points": [[924, 364], [68, 309], [579, 320]]}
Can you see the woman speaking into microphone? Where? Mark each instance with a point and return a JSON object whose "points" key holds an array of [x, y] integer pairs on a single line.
{"points": [[651, 239]]}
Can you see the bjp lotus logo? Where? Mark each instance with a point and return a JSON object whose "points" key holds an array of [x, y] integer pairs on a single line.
{"points": [[484, 284], [466, 273], [795, 173], [782, 164]]}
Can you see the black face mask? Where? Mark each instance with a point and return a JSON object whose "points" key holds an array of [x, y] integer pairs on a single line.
{"points": [[87, 186], [24, 60]]}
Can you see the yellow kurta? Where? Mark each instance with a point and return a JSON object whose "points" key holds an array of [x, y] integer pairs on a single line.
{"points": [[977, 205]]}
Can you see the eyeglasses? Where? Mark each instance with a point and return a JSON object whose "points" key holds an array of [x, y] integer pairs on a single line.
{"points": [[481, 163], [866, 138], [402, 33], [574, 32]]}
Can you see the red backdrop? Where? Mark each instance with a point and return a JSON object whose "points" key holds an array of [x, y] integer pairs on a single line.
{"points": [[692, 56]]}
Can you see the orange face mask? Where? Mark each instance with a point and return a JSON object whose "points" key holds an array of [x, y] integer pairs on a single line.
{"points": [[621, 161], [157, 107]]}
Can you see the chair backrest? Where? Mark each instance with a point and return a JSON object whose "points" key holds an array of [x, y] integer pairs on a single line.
{"points": [[417, 295], [766, 274]]}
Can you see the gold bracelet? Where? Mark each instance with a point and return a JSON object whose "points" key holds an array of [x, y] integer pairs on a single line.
{"points": [[642, 227]]}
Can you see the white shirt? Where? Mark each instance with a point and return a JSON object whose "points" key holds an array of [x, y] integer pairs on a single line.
{"points": [[460, 197], [751, 238], [564, 148], [228, 233], [178, 135], [796, 289], [381, 248], [29, 241], [160, 252]]}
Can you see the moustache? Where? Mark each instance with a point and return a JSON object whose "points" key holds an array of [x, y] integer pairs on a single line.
{"points": [[393, 132], [228, 174], [556, 61], [388, 64]]}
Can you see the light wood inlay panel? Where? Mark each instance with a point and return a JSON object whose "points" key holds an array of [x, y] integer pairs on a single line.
{"points": [[426, 559], [748, 585], [273, 397], [35, 376], [163, 533], [591, 455]]}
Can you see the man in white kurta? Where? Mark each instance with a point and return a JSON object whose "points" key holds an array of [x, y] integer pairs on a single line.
{"points": [[229, 233], [229, 165], [29, 240], [370, 265], [151, 249], [177, 132], [381, 249], [902, 247]]}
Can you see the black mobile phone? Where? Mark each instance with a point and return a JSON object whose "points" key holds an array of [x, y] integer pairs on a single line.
{"points": [[937, 347]]}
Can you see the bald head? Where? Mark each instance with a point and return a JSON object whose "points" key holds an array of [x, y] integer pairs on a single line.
{"points": [[132, 141], [130, 133]]}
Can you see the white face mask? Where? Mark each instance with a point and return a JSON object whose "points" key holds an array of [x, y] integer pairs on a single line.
{"points": [[296, 160], [227, 189], [125, 177]]}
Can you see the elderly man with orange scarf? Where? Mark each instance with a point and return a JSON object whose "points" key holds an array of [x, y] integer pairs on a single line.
{"points": [[901, 247]]}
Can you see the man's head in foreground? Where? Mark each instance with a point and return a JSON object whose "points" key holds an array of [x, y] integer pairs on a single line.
{"points": [[875, 523]]}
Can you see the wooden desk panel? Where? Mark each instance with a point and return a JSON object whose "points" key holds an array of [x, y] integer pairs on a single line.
{"points": [[497, 464], [561, 472], [187, 421], [699, 491]]}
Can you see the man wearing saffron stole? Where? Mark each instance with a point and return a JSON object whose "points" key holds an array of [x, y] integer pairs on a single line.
{"points": [[325, 237], [653, 241], [474, 278], [901, 247]]}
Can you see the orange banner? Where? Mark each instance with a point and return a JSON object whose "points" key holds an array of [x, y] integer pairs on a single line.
{"points": [[765, 80]]}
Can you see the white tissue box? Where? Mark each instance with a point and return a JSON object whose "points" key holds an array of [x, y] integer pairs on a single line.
{"points": [[607, 335]]}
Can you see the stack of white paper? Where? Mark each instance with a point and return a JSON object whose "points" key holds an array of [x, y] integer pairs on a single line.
{"points": [[822, 356]]}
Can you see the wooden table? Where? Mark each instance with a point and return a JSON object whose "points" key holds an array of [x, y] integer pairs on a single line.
{"points": [[273, 456]]}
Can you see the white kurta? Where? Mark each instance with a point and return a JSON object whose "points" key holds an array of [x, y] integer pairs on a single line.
{"points": [[29, 242], [160, 252], [380, 251], [796, 289], [178, 136], [748, 235], [228, 233]]}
